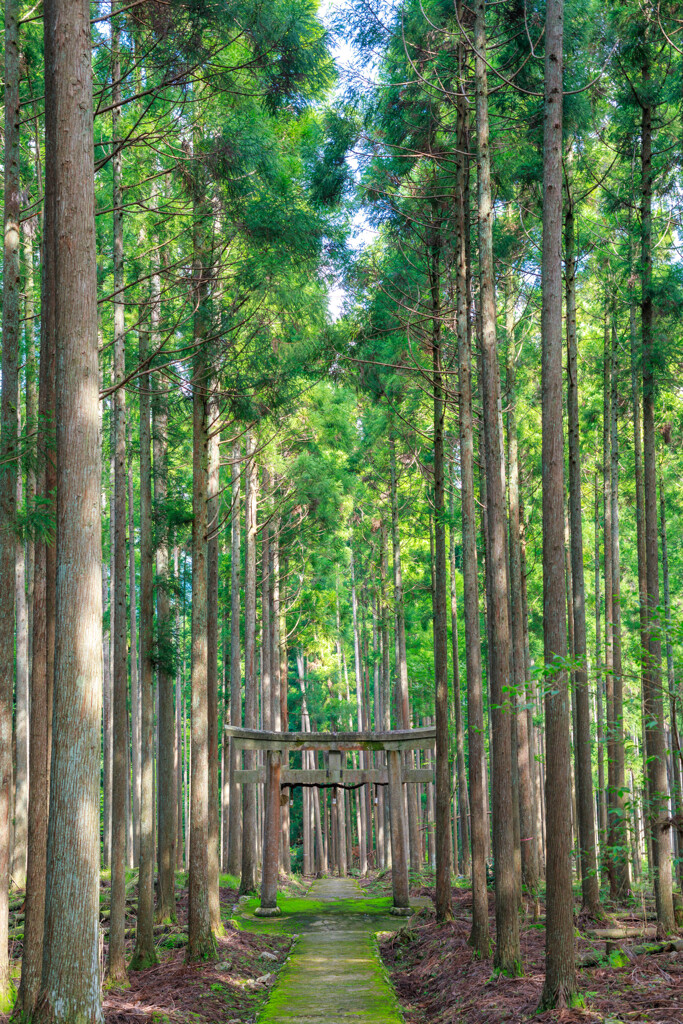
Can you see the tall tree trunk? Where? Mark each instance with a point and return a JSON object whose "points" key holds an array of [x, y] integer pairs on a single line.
{"points": [[560, 977], [117, 920], [248, 879], [527, 819], [21, 708], [602, 789], [166, 782], [235, 826], [444, 910], [134, 680], [677, 787], [201, 943], [9, 453], [479, 936], [213, 507], [42, 662], [507, 957], [609, 600], [363, 829], [70, 987], [461, 770], [145, 950], [653, 698], [590, 888], [618, 829]]}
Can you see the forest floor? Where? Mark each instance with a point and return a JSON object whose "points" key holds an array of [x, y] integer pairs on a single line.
{"points": [[439, 980]]}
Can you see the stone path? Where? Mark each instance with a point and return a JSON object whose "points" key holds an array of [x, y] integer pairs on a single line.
{"points": [[334, 975]]}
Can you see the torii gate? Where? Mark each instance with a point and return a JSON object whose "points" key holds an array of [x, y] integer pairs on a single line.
{"points": [[276, 774]]}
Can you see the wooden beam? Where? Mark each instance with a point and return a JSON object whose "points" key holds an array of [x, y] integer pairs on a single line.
{"points": [[399, 739], [323, 777]]}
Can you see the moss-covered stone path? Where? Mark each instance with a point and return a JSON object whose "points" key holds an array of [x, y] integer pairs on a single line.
{"points": [[334, 975]]}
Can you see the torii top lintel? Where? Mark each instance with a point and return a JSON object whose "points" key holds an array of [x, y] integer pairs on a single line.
{"points": [[398, 739]]}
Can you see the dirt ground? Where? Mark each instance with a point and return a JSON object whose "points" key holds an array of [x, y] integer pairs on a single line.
{"points": [[440, 981]]}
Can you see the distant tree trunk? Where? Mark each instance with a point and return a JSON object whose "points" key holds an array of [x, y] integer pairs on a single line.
{"points": [[43, 633], [134, 680], [284, 717], [8, 463], [602, 790], [117, 921], [461, 770], [560, 977], [235, 826], [619, 831], [677, 789], [363, 825], [609, 600], [590, 887], [201, 943], [527, 822], [213, 484], [21, 708], [479, 936], [70, 987], [145, 950], [444, 910], [653, 698], [248, 880], [166, 781], [507, 957]]}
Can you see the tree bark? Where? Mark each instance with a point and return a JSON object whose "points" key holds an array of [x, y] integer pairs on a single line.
{"points": [[134, 680], [479, 936], [213, 506], [618, 829], [248, 879], [117, 921], [9, 454], [560, 977], [145, 950], [507, 956], [590, 887], [461, 770], [235, 826], [201, 943], [653, 698], [166, 782], [70, 987]]}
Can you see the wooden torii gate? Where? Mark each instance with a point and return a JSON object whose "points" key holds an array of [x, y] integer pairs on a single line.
{"points": [[277, 774]]}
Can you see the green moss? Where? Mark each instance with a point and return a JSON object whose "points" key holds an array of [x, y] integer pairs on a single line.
{"points": [[8, 998]]}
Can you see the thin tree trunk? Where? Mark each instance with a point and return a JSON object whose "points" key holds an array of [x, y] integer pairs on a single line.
{"points": [[166, 783], [70, 987], [479, 936], [363, 825], [461, 770], [8, 464], [653, 698], [677, 793], [618, 830], [18, 873], [527, 822], [560, 976], [235, 826], [213, 484], [134, 681], [42, 661], [201, 943], [508, 956], [590, 888], [117, 921], [145, 950], [248, 880]]}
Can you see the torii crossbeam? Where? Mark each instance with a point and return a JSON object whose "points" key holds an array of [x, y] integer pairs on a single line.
{"points": [[276, 773]]}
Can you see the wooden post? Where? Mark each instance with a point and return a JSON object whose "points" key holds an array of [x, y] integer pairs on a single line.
{"points": [[399, 873], [271, 837], [341, 831]]}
